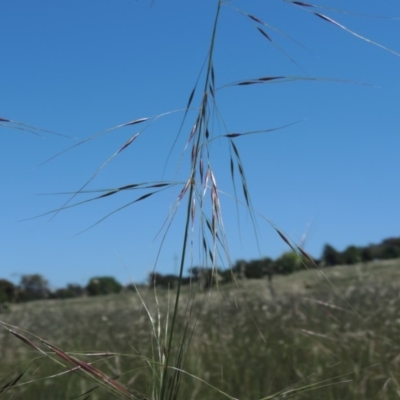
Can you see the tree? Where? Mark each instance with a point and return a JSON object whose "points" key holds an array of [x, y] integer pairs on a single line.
{"points": [[238, 270], [352, 255], [254, 269], [330, 256], [205, 276], [395, 242], [33, 287], [288, 263], [154, 279], [130, 287], [388, 252], [367, 254], [103, 285], [7, 291], [165, 281], [69, 292]]}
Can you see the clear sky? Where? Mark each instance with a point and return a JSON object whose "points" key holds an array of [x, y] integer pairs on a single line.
{"points": [[81, 67]]}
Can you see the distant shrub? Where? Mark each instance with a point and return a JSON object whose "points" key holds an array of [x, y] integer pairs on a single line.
{"points": [[206, 277], [388, 252], [69, 292], [7, 291], [103, 285], [330, 256], [288, 263], [33, 287], [367, 254], [130, 288], [257, 269], [352, 255]]}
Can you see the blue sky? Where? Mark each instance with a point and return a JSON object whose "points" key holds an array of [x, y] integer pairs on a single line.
{"points": [[79, 68]]}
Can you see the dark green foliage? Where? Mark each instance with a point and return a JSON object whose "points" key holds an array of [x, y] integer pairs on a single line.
{"points": [[205, 277], [7, 291], [69, 292], [352, 255], [387, 249], [330, 256], [395, 242], [366, 254], [33, 287], [130, 288], [257, 269], [168, 281], [228, 275], [162, 281], [154, 279], [388, 252], [103, 285], [288, 263]]}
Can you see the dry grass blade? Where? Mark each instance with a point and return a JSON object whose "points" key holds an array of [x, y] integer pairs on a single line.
{"points": [[190, 99], [140, 120], [188, 183], [182, 123], [13, 382], [307, 256], [280, 32], [131, 186], [18, 128], [294, 247], [192, 133], [28, 128], [161, 186], [134, 122], [125, 124], [293, 390], [235, 135], [102, 166], [300, 3], [145, 196], [325, 18], [109, 192], [314, 387], [241, 172], [128, 142], [286, 79], [95, 372], [255, 19], [265, 34], [26, 340], [285, 239], [245, 190], [329, 305], [308, 5], [212, 76], [205, 383]]}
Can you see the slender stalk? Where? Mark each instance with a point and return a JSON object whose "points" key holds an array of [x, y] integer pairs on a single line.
{"points": [[189, 211]]}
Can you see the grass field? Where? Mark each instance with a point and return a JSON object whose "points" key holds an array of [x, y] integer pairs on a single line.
{"points": [[333, 337]]}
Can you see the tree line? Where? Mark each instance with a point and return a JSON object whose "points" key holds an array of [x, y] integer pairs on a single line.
{"points": [[36, 287]]}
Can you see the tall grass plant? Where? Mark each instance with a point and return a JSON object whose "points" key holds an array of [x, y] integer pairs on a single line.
{"points": [[219, 343]]}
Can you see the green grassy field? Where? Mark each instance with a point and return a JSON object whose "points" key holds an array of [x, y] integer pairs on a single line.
{"points": [[323, 337]]}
